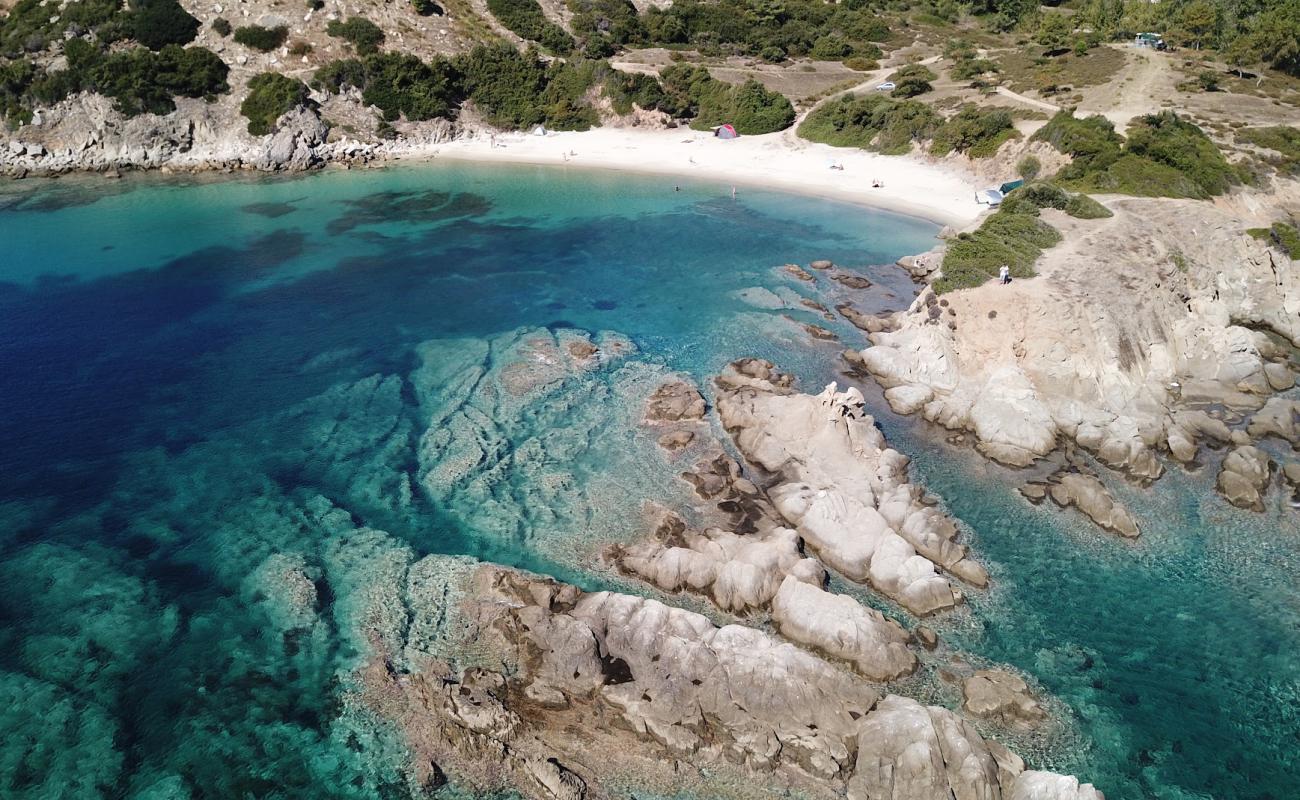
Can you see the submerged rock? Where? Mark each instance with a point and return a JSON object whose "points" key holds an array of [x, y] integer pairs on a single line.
{"points": [[675, 401], [1069, 487], [1000, 695], [1244, 477]]}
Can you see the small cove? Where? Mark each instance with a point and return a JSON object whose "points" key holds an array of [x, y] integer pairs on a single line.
{"points": [[194, 370]]}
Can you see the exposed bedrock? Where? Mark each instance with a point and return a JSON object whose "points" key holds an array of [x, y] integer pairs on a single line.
{"points": [[845, 492], [1108, 352], [1070, 487], [1001, 695], [681, 701], [1244, 477]]}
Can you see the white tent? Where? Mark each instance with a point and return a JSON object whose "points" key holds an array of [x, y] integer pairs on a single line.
{"points": [[540, 130], [991, 197]]}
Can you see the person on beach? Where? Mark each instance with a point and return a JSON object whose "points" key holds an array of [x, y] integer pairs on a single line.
{"points": [[1004, 274]]}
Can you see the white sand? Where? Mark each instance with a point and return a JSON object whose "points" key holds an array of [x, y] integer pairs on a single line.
{"points": [[777, 160]]}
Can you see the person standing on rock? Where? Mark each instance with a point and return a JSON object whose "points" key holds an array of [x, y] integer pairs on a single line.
{"points": [[1004, 274]]}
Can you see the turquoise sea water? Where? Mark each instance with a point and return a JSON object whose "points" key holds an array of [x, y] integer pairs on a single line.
{"points": [[233, 409]]}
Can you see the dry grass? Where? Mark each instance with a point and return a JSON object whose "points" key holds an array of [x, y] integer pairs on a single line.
{"points": [[1027, 70]]}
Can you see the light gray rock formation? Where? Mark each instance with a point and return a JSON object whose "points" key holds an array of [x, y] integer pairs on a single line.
{"points": [[739, 573], [675, 401], [1279, 417], [1001, 695], [679, 699], [871, 323], [1244, 477], [1069, 487], [1105, 352], [842, 628], [843, 489]]}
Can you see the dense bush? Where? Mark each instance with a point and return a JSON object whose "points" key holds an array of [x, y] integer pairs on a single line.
{"points": [[627, 88], [364, 35], [526, 19], [259, 38], [612, 23], [504, 85], [398, 84], [755, 27], [1029, 167], [222, 26], [978, 132], [1006, 237], [157, 23], [30, 26], [426, 8], [270, 96], [1164, 156], [750, 107], [872, 122], [911, 80]]}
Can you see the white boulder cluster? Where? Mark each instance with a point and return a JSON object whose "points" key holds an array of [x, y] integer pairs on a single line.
{"points": [[844, 491]]}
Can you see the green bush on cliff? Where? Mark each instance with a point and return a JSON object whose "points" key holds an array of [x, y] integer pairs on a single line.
{"points": [[1280, 138], [794, 28], [260, 38], [1163, 156], [364, 35], [977, 132], [872, 122], [526, 19], [157, 23], [402, 85], [750, 107], [1280, 235], [1006, 237], [270, 95]]}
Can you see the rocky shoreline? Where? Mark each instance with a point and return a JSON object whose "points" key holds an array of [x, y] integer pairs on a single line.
{"points": [[1179, 339], [84, 134]]}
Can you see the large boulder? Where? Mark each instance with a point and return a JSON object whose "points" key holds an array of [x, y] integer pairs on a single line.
{"points": [[1244, 477]]}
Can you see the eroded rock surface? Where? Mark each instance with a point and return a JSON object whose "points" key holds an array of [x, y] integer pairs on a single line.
{"points": [[1244, 477], [844, 490], [1000, 695], [1107, 351], [1072, 488], [682, 702]]}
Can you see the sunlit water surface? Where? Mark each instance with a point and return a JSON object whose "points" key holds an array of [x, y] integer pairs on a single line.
{"points": [[205, 382]]}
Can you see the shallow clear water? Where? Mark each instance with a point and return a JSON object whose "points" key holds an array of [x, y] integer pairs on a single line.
{"points": [[216, 390]]}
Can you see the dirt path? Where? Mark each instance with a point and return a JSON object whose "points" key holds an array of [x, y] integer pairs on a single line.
{"points": [[1040, 104], [1137, 89]]}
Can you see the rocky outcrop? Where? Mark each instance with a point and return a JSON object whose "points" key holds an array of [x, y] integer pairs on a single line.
{"points": [[86, 133], [674, 401], [843, 489], [842, 628], [1000, 695], [1280, 417], [1071, 487], [1244, 477], [681, 701], [1107, 352], [739, 573]]}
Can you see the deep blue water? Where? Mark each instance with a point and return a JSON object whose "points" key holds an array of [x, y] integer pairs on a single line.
{"points": [[234, 409]]}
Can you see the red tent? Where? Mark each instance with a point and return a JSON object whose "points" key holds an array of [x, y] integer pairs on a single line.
{"points": [[725, 132]]}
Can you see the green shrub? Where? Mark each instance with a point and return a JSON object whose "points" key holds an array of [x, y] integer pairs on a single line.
{"points": [[398, 84], [426, 8], [773, 54], [911, 80], [158, 23], [526, 19], [968, 68], [270, 96], [979, 132], [1163, 156], [504, 84], [222, 26], [750, 107], [1208, 80], [1082, 206], [626, 89], [871, 122], [1029, 167], [259, 38], [860, 64], [141, 81], [1006, 237], [364, 35], [614, 23]]}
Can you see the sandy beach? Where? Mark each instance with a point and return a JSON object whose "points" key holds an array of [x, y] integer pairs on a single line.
{"points": [[777, 161]]}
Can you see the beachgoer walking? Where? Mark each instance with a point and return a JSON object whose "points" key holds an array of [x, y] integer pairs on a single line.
{"points": [[1004, 274]]}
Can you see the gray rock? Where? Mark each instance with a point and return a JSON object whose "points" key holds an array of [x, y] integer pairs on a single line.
{"points": [[1244, 477], [1000, 695]]}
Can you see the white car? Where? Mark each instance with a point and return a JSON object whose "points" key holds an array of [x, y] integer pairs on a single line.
{"points": [[887, 86]]}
